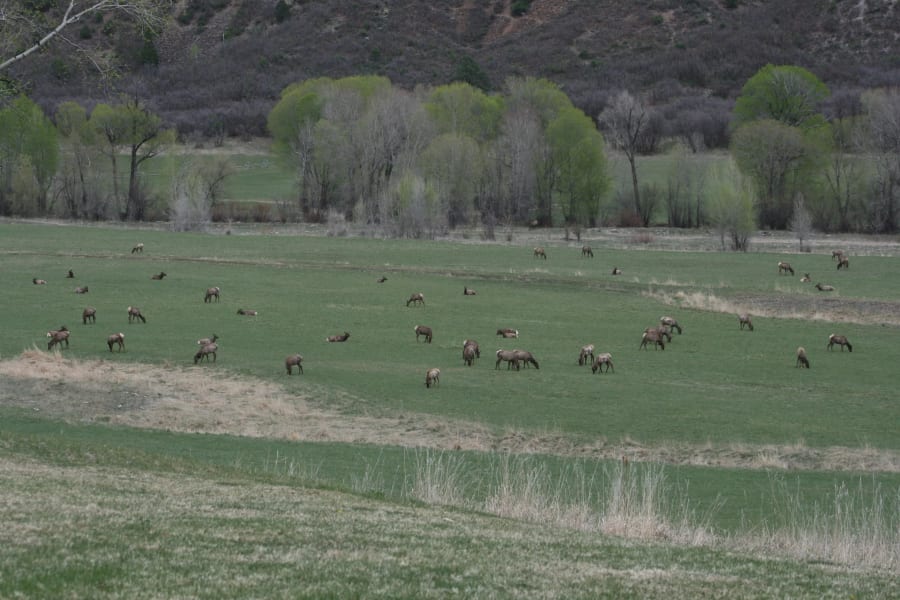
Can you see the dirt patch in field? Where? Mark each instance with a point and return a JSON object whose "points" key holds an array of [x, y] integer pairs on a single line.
{"points": [[192, 400]]}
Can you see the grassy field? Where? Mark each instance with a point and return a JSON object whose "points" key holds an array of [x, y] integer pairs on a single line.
{"points": [[748, 439]]}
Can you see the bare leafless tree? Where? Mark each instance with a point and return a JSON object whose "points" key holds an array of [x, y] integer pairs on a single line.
{"points": [[801, 221], [624, 121]]}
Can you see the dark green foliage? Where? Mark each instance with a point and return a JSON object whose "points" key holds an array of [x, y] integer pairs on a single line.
{"points": [[282, 11], [85, 32], [520, 7], [469, 71]]}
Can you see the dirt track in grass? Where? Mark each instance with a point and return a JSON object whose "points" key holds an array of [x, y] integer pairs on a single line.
{"points": [[189, 400]]}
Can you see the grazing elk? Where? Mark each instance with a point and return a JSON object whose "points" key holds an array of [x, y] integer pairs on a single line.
{"points": [[802, 360], [616, 271], [134, 313], [784, 268], [652, 337], [468, 355], [604, 358], [670, 323], [508, 333], [745, 320], [509, 356], [158, 276], [247, 312], [467, 291], [824, 287], [587, 251], [844, 263], [539, 252], [294, 360], [81, 290], [432, 377], [424, 331], [662, 331], [340, 337], [840, 340], [382, 279], [211, 293], [526, 358], [474, 345], [138, 249], [417, 298], [837, 254], [205, 351], [58, 336], [209, 340], [584, 353], [806, 278], [70, 275], [116, 338], [89, 314], [37, 281]]}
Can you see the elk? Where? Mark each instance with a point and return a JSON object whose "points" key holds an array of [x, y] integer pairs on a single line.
{"points": [[158, 276], [840, 340], [745, 320], [824, 287], [432, 377], [58, 336], [474, 345], [116, 338], [89, 314], [508, 333], [844, 262], [526, 357], [670, 323], [209, 340], [294, 360], [837, 254], [382, 279], [211, 293], [509, 356], [417, 298], [138, 249], [661, 331], [604, 358], [584, 353], [247, 312], [540, 253], [134, 313], [424, 331], [467, 291], [81, 290], [587, 251], [784, 268], [806, 278], [468, 355], [205, 351], [616, 271], [341, 337], [37, 281], [70, 275], [652, 336], [802, 360]]}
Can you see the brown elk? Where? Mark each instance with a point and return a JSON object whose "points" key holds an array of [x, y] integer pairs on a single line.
{"points": [[587, 251], [382, 279], [670, 323], [211, 293], [840, 340], [205, 351], [474, 345], [508, 333], [116, 338], [844, 263], [662, 331], [467, 291], [745, 320], [616, 271], [806, 278], [339, 338], [802, 360], [158, 276], [652, 337], [424, 331], [539, 252], [134, 313], [468, 355], [247, 312], [824, 287], [604, 358], [837, 254], [138, 249], [58, 336], [81, 290], [37, 281], [417, 298], [526, 357], [89, 314], [432, 377], [784, 268], [294, 360], [70, 275], [509, 356], [209, 340], [584, 353]]}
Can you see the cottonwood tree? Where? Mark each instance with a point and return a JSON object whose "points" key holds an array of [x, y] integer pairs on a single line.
{"points": [[452, 164], [882, 109], [801, 221], [731, 206], [29, 155], [624, 122], [787, 94], [76, 181], [844, 174]]}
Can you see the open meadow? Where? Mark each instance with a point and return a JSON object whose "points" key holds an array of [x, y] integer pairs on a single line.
{"points": [[713, 467]]}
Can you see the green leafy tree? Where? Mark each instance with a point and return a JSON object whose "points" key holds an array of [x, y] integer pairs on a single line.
{"points": [[463, 109], [730, 206], [452, 165], [29, 150], [79, 142], [787, 94]]}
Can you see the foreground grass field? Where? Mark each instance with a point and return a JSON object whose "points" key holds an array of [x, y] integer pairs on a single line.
{"points": [[722, 407]]}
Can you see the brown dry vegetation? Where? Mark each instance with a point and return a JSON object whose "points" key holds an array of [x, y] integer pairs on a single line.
{"points": [[187, 400]]}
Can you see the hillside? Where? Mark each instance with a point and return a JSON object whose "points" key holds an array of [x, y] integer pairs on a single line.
{"points": [[223, 63]]}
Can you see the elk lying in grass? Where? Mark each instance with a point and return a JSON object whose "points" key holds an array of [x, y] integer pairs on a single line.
{"points": [[509, 356], [745, 320], [806, 278], [382, 279], [37, 281], [587, 251], [584, 353], [840, 340], [652, 337], [294, 360], [134, 313], [604, 358], [844, 263], [670, 323], [417, 298], [661, 331], [211, 293], [116, 338], [247, 312], [209, 340], [539, 252], [432, 377], [89, 314], [467, 291], [158, 276], [138, 249], [58, 336], [205, 351], [616, 271], [802, 360], [508, 333], [70, 275], [424, 331], [81, 290], [824, 287], [837, 254], [526, 358], [784, 268], [341, 337]]}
